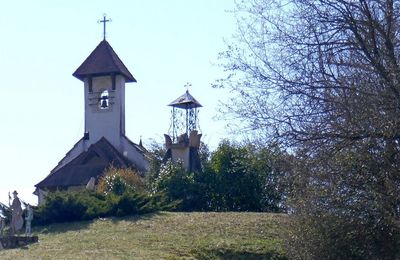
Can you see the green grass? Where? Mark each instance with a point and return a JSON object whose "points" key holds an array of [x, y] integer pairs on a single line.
{"points": [[163, 235]]}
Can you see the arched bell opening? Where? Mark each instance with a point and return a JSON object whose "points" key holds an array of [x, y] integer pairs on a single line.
{"points": [[104, 100]]}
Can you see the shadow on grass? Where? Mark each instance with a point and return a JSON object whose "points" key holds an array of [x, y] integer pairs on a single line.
{"points": [[56, 228], [232, 254], [137, 217]]}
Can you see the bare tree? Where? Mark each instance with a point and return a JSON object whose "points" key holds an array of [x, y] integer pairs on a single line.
{"points": [[323, 77]]}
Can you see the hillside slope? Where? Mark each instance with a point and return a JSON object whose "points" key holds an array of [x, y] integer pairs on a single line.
{"points": [[159, 236]]}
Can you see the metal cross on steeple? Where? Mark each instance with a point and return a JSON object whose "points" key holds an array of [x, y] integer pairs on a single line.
{"points": [[187, 85], [104, 21]]}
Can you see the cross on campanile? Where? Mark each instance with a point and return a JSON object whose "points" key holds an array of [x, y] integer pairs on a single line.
{"points": [[187, 85], [104, 21]]}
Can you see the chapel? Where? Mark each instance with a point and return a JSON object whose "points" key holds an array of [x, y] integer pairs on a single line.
{"points": [[104, 142]]}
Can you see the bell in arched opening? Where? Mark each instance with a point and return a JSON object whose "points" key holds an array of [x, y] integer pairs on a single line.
{"points": [[104, 100]]}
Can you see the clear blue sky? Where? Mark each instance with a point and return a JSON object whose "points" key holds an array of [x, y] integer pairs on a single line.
{"points": [[164, 44]]}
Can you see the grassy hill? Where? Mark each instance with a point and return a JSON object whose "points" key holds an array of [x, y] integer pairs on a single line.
{"points": [[163, 235]]}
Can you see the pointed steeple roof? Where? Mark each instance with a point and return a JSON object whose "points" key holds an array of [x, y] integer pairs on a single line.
{"points": [[185, 101], [103, 61]]}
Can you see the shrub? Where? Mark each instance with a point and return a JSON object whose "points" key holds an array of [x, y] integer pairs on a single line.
{"points": [[85, 205], [175, 182], [61, 207], [343, 211], [5, 212], [133, 203], [234, 178], [119, 180], [247, 178]]}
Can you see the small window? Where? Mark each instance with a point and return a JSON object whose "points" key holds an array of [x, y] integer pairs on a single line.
{"points": [[104, 102]]}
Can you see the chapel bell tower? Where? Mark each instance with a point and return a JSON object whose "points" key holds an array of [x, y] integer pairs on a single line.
{"points": [[185, 141], [104, 77]]}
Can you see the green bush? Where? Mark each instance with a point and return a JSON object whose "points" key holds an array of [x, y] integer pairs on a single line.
{"points": [[132, 203], [234, 178], [118, 180], [5, 212], [85, 205], [248, 178], [60, 207]]}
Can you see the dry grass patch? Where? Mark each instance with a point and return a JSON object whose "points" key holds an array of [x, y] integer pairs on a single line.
{"points": [[163, 235]]}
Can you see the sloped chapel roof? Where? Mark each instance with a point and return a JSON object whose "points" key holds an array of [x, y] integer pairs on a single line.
{"points": [[91, 163], [103, 61], [185, 101]]}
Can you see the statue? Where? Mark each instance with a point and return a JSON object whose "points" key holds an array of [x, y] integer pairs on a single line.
{"points": [[16, 218], [28, 220]]}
